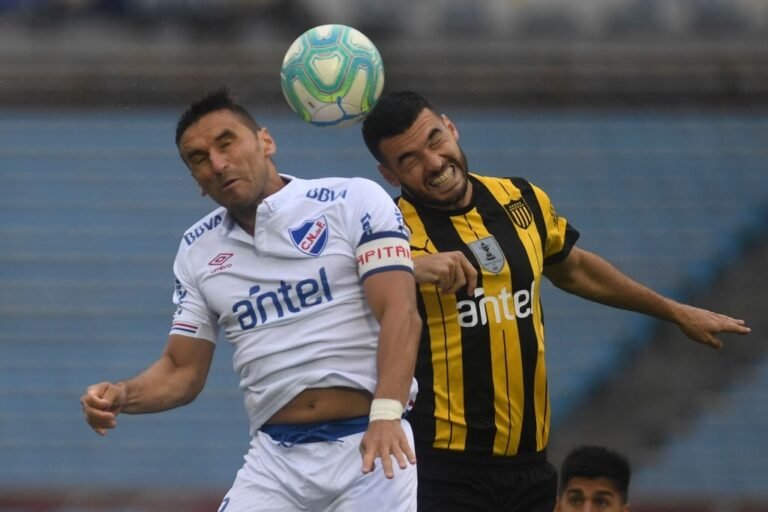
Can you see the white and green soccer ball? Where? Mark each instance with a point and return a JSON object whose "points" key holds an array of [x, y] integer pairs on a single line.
{"points": [[332, 75]]}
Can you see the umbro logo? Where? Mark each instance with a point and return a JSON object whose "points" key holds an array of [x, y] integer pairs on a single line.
{"points": [[220, 262], [220, 259]]}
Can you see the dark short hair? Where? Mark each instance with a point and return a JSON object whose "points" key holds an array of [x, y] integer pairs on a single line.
{"points": [[597, 462], [392, 115], [221, 99]]}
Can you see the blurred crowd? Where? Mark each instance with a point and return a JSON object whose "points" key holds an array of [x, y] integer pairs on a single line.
{"points": [[524, 52], [426, 18]]}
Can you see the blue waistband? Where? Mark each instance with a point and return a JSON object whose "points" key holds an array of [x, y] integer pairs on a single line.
{"points": [[288, 434]]}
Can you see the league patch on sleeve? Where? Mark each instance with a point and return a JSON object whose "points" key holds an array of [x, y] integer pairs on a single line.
{"points": [[382, 252]]}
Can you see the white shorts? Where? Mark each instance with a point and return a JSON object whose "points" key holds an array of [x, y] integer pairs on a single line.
{"points": [[320, 476]]}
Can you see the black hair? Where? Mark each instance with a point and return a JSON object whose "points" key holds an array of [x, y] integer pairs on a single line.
{"points": [[597, 462], [221, 99], [392, 115]]}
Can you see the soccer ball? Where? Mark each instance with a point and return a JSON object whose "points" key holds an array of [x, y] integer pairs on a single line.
{"points": [[332, 75]]}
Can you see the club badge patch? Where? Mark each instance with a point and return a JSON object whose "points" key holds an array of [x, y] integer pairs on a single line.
{"points": [[519, 213], [488, 254], [311, 236]]}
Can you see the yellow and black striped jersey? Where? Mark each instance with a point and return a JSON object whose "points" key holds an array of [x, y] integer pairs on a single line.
{"points": [[481, 370]]}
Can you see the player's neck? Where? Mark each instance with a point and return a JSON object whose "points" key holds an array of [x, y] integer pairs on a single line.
{"points": [[246, 219], [246, 216]]}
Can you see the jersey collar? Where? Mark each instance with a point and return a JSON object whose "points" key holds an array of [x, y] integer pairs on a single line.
{"points": [[233, 230]]}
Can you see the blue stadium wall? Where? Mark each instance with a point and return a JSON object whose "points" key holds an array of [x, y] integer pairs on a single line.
{"points": [[93, 205]]}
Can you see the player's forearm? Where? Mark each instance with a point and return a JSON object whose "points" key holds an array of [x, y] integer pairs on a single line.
{"points": [[599, 281], [624, 293], [424, 270], [396, 360], [160, 387]]}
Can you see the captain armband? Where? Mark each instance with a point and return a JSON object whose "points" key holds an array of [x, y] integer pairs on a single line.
{"points": [[385, 409], [382, 252]]}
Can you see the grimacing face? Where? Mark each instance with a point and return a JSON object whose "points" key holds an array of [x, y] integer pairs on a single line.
{"points": [[230, 162], [427, 161], [591, 495]]}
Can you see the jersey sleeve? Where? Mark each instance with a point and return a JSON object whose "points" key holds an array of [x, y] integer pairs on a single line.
{"points": [[560, 235], [192, 316], [382, 238]]}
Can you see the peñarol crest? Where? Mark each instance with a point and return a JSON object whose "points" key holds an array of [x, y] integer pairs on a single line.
{"points": [[519, 213]]}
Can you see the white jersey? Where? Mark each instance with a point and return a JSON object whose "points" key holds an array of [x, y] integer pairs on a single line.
{"points": [[290, 297]]}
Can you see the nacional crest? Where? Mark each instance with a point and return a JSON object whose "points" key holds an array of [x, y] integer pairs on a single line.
{"points": [[311, 236], [519, 213], [488, 254]]}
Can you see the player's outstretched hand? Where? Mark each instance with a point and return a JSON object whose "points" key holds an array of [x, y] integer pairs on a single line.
{"points": [[102, 403], [703, 326], [450, 271], [385, 439]]}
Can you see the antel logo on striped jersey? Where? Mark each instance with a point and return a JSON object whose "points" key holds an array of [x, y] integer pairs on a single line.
{"points": [[504, 306]]}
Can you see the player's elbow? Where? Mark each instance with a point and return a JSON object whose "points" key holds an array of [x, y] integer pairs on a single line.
{"points": [[188, 386], [187, 395]]}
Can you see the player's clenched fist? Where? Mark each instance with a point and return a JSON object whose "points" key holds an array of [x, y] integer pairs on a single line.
{"points": [[102, 403], [450, 271]]}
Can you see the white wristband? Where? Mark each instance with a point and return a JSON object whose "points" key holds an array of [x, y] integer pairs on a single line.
{"points": [[385, 409]]}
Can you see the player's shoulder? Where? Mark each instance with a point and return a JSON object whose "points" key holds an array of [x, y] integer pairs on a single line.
{"points": [[203, 228], [339, 182], [331, 188], [516, 185], [516, 181]]}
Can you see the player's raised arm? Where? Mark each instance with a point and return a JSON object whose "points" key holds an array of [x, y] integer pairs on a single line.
{"points": [[589, 276], [175, 379], [391, 296]]}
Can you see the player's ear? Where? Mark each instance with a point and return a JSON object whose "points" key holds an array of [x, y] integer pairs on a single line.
{"points": [[268, 144], [388, 175], [451, 127]]}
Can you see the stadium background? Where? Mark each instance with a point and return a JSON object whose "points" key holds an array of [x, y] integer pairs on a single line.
{"points": [[645, 120]]}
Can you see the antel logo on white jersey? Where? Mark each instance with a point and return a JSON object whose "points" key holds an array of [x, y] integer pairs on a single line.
{"points": [[264, 306], [504, 306]]}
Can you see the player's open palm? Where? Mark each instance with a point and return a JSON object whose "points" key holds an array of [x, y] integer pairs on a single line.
{"points": [[102, 403], [703, 326], [384, 440]]}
